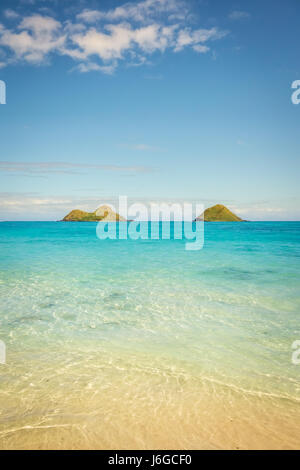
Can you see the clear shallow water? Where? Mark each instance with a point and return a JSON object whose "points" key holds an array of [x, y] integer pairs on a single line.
{"points": [[142, 344]]}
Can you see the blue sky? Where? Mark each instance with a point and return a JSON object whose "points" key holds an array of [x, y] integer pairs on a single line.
{"points": [[159, 100]]}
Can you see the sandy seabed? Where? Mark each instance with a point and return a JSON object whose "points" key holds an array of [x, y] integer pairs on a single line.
{"points": [[134, 405]]}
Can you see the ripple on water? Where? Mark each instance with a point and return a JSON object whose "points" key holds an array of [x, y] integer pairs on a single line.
{"points": [[149, 347]]}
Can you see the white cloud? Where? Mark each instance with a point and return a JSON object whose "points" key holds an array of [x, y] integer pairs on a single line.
{"points": [[70, 27], [115, 40], [146, 10], [266, 210], [106, 46], [129, 33], [188, 37], [35, 206], [32, 206], [93, 67], [11, 14], [201, 49], [42, 168], [39, 24], [238, 15], [89, 16], [37, 37], [141, 147], [138, 60]]}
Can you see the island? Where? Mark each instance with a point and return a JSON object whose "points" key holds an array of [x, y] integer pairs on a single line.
{"points": [[218, 213], [103, 213]]}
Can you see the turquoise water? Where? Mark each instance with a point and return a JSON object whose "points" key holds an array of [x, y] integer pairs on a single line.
{"points": [[94, 328]]}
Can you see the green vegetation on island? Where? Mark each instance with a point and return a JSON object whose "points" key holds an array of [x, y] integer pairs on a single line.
{"points": [[103, 213], [218, 213]]}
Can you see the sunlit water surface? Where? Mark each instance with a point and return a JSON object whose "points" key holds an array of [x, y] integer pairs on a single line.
{"points": [[142, 344]]}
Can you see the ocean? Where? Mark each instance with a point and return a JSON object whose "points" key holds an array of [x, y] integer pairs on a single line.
{"points": [[141, 344]]}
